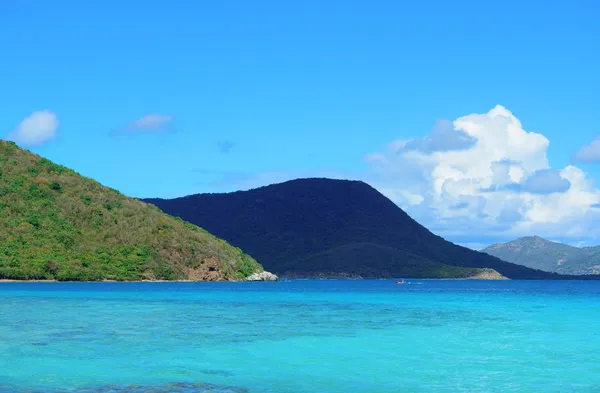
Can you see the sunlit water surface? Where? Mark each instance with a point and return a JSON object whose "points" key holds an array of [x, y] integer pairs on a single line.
{"points": [[300, 337]]}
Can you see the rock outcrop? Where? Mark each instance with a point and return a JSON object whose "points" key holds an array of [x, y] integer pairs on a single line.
{"points": [[262, 276]]}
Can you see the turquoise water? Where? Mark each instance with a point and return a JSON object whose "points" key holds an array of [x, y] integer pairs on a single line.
{"points": [[300, 337]]}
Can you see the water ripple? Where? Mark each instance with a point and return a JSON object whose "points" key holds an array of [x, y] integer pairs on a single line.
{"points": [[177, 387]]}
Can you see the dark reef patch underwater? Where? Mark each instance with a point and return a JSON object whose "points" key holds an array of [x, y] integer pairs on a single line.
{"points": [[182, 387]]}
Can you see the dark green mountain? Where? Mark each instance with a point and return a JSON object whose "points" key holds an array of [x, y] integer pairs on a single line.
{"points": [[323, 227], [56, 224], [538, 253]]}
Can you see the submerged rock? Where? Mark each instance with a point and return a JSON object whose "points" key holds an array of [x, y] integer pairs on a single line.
{"points": [[262, 276]]}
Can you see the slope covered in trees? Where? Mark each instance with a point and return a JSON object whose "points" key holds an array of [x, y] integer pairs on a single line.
{"points": [[324, 227], [538, 253], [56, 224]]}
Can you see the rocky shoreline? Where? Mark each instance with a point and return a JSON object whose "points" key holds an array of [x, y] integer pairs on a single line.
{"points": [[483, 274], [262, 276]]}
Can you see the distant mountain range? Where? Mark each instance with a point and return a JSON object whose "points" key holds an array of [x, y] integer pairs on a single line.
{"points": [[333, 228], [542, 254]]}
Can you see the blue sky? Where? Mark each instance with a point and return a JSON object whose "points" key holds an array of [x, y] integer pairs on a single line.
{"points": [[169, 98]]}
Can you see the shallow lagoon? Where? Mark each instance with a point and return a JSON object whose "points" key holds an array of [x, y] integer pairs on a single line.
{"points": [[300, 336]]}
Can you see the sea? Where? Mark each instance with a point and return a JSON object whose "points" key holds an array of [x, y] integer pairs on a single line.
{"points": [[301, 336]]}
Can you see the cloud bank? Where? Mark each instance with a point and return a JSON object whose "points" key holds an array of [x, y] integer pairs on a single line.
{"points": [[36, 129], [485, 174]]}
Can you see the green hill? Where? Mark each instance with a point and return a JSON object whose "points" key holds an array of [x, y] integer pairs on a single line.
{"points": [[57, 224], [327, 228], [538, 253]]}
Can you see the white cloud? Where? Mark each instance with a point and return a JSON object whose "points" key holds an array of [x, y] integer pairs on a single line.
{"points": [[492, 178], [151, 122], [443, 137], [154, 122], [589, 152], [36, 129]]}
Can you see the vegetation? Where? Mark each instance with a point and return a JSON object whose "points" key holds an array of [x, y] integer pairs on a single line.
{"points": [[538, 253], [56, 224], [376, 261], [313, 227]]}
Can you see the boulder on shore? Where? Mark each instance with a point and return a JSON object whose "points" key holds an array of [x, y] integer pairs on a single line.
{"points": [[262, 276]]}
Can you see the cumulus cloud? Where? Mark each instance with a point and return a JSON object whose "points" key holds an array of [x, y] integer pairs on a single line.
{"points": [[484, 173], [154, 122], [37, 128], [543, 181], [443, 137], [589, 152]]}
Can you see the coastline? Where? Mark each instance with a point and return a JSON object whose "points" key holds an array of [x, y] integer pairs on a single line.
{"points": [[258, 276], [128, 281], [10, 280], [281, 279]]}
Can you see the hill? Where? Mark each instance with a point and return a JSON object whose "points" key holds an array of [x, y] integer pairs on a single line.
{"points": [[542, 254], [324, 227], [56, 224]]}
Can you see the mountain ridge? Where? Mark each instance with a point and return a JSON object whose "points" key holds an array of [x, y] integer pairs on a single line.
{"points": [[292, 228], [550, 256]]}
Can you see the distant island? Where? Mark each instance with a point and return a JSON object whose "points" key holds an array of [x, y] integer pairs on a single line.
{"points": [[58, 225], [542, 254], [335, 228]]}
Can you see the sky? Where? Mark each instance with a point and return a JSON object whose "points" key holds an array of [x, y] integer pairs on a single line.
{"points": [[480, 119]]}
